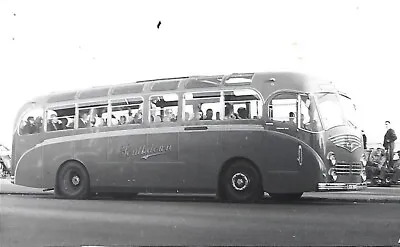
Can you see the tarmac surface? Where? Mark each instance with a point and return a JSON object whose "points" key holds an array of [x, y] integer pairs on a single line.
{"points": [[31, 217], [371, 194]]}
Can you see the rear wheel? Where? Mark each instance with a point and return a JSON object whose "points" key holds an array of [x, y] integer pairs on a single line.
{"points": [[72, 181], [242, 183], [286, 196]]}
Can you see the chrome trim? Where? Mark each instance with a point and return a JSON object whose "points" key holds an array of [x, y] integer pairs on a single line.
{"points": [[300, 155], [348, 168], [341, 186]]}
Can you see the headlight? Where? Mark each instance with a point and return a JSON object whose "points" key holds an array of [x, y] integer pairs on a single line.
{"points": [[332, 159], [333, 175]]}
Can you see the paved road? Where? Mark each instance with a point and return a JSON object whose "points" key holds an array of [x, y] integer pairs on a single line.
{"points": [[41, 220], [372, 194]]}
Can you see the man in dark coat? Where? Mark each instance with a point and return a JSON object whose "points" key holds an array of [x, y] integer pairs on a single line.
{"points": [[364, 139], [53, 123], [388, 142]]}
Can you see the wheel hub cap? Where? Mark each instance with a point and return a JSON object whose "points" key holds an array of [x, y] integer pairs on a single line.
{"points": [[75, 180], [240, 181]]}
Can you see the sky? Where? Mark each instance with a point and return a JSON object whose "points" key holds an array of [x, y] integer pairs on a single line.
{"points": [[48, 46]]}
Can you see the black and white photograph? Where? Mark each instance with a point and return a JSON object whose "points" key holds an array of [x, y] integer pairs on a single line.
{"points": [[199, 123]]}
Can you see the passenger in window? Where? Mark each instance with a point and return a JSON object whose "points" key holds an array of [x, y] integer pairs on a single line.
{"points": [[167, 115], [187, 116], [84, 121], [64, 123], [70, 123], [114, 120], [54, 123], [157, 119], [229, 114], [39, 123], [130, 119], [198, 115], [30, 126], [173, 118], [96, 119], [122, 120], [138, 119], [209, 114], [292, 118], [242, 113]]}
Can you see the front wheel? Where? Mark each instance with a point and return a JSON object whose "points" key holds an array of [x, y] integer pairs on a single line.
{"points": [[72, 181], [242, 183], [286, 196]]}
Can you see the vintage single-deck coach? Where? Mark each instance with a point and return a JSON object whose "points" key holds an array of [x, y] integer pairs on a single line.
{"points": [[236, 135]]}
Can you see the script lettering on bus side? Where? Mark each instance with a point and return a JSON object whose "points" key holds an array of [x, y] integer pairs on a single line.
{"points": [[146, 151]]}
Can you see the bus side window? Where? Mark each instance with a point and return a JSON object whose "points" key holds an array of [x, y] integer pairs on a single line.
{"points": [[284, 109], [242, 104], [92, 114], [164, 108], [60, 118], [31, 122], [127, 111], [202, 106]]}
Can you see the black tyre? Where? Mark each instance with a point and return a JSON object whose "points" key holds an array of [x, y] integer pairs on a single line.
{"points": [[72, 181], [241, 183], [286, 196]]}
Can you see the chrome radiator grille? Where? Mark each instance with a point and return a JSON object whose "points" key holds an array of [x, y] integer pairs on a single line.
{"points": [[346, 169]]}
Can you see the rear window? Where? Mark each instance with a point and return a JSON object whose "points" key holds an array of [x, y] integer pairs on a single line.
{"points": [[31, 122]]}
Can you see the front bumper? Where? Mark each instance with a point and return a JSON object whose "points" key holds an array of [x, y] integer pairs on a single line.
{"points": [[341, 186]]}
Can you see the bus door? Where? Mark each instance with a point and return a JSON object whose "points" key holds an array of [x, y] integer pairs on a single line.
{"points": [[309, 124], [283, 157]]}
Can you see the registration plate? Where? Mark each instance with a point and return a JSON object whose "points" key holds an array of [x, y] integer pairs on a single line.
{"points": [[351, 186]]}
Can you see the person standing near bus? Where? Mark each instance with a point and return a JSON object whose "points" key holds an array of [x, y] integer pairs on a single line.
{"points": [[388, 142], [364, 139]]}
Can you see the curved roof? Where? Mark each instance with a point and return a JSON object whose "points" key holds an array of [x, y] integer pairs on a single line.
{"points": [[273, 81]]}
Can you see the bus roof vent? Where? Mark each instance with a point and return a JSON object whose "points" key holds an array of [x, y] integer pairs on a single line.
{"points": [[93, 93], [127, 89], [61, 97], [238, 79], [203, 82], [165, 85]]}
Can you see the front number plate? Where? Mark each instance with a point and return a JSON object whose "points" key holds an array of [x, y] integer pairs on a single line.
{"points": [[351, 186]]}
